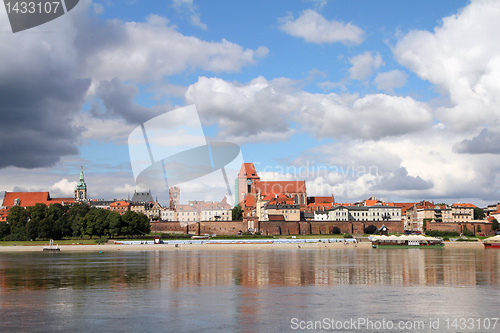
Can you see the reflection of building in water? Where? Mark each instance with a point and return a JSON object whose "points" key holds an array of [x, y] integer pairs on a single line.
{"points": [[275, 267], [326, 267]]}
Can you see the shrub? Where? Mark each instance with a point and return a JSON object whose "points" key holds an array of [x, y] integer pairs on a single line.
{"points": [[468, 232], [438, 233]]}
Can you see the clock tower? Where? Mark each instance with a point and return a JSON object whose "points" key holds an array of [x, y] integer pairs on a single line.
{"points": [[245, 181], [81, 188]]}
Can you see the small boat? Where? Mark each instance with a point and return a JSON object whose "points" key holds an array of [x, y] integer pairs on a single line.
{"points": [[51, 247], [201, 237], [492, 242], [406, 242]]}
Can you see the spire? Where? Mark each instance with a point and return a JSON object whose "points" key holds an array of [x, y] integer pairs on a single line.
{"points": [[81, 184]]}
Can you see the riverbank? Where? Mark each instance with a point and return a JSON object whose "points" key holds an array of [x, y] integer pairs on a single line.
{"points": [[172, 247]]}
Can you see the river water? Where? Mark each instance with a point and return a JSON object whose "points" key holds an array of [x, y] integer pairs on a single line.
{"points": [[251, 290]]}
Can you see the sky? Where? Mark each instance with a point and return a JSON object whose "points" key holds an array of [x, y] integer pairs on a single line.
{"points": [[394, 99]]}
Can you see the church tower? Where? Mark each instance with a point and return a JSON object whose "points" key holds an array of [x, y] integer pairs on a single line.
{"points": [[244, 182], [81, 188]]}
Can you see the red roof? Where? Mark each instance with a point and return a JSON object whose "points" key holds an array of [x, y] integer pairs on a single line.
{"points": [[120, 204], [276, 217], [278, 187], [320, 200], [248, 171], [463, 205], [28, 199], [404, 206], [282, 200], [249, 201], [370, 202]]}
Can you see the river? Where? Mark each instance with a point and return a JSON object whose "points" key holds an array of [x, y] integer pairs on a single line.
{"points": [[251, 290]]}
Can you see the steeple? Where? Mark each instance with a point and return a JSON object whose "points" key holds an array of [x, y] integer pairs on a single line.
{"points": [[81, 188], [81, 184]]}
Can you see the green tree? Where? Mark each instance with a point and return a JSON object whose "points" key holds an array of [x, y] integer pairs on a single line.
{"points": [[478, 213], [135, 224], [494, 224], [61, 227], [39, 226], [18, 219], [115, 224], [4, 229], [237, 213], [96, 222], [467, 232], [76, 216]]}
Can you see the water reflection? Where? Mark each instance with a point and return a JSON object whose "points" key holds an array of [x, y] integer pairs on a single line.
{"points": [[242, 290], [315, 267]]}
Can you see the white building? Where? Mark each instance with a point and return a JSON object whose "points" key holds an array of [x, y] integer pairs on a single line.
{"points": [[216, 214], [364, 213]]}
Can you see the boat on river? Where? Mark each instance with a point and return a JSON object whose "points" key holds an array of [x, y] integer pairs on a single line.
{"points": [[492, 242], [406, 241]]}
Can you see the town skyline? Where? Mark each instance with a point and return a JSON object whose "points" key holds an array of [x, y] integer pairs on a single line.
{"points": [[179, 199]]}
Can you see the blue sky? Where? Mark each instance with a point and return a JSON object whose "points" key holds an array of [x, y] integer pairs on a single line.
{"points": [[396, 99]]}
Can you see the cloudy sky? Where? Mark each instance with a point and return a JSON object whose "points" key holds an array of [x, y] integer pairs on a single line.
{"points": [[394, 99]]}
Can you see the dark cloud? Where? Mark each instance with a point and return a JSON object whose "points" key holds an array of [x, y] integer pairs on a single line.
{"points": [[400, 180], [486, 142], [36, 114], [118, 99]]}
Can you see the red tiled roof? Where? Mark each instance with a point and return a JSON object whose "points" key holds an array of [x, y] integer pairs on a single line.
{"points": [[282, 200], [268, 197], [248, 171], [464, 205], [249, 201], [320, 200], [277, 187], [120, 204], [404, 206], [276, 217], [28, 199]]}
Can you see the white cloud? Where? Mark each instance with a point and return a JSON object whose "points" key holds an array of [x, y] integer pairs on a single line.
{"points": [[192, 10], [369, 117], [416, 166], [314, 28], [254, 111], [262, 110], [114, 129], [461, 57], [145, 51], [63, 188], [125, 189], [388, 81], [363, 65]]}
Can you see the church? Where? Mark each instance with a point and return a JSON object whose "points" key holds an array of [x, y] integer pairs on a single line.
{"points": [[249, 183], [28, 199]]}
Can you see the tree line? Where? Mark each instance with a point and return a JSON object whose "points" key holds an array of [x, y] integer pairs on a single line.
{"points": [[78, 220]]}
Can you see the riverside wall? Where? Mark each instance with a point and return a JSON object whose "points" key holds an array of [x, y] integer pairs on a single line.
{"points": [[273, 228], [479, 228]]}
